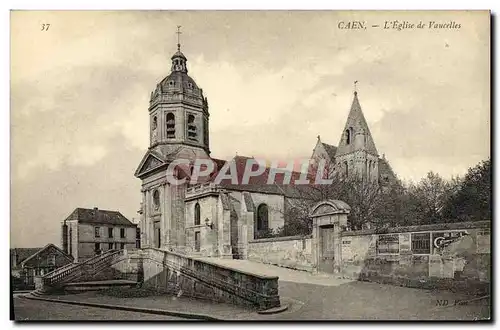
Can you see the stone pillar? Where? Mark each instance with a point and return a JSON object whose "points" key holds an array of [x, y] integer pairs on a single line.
{"points": [[326, 214], [142, 224], [164, 216], [149, 220]]}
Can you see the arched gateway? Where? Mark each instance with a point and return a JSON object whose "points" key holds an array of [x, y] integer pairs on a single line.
{"points": [[329, 217]]}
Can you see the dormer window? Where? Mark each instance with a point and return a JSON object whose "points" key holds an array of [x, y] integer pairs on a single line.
{"points": [[170, 126], [191, 128], [348, 135]]}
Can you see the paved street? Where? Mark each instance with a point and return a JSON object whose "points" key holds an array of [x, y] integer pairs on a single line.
{"points": [[373, 301], [32, 310]]}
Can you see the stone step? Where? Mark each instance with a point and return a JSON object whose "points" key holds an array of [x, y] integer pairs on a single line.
{"points": [[97, 285], [38, 293]]}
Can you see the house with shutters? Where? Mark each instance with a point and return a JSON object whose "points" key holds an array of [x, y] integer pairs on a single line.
{"points": [[88, 232]]}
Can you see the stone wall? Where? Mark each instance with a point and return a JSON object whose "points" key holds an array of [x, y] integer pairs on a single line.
{"points": [[292, 252], [443, 255], [169, 272]]}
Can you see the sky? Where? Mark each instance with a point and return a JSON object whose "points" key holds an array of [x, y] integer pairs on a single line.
{"points": [[274, 82]]}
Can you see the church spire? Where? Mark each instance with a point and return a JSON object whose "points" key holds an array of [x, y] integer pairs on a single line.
{"points": [[356, 135]]}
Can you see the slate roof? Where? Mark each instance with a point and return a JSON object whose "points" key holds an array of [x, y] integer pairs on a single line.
{"points": [[99, 217], [385, 169], [258, 183], [357, 121], [50, 245], [331, 150], [23, 253]]}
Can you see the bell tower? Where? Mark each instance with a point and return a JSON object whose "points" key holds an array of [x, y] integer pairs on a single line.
{"points": [[357, 155], [178, 129], [178, 112]]}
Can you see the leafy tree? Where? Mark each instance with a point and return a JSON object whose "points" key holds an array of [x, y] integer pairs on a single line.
{"points": [[472, 200]]}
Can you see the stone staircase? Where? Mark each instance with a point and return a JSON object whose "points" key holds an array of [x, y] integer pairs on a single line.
{"points": [[95, 273]]}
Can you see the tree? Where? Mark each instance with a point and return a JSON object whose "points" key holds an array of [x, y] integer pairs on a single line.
{"points": [[430, 195], [472, 200]]}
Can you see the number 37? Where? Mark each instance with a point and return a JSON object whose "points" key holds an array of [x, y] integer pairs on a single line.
{"points": [[45, 27]]}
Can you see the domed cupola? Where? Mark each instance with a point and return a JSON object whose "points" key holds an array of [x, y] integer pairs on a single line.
{"points": [[178, 85]]}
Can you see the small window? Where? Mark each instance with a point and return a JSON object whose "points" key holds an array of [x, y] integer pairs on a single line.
{"points": [[122, 232], [110, 246], [262, 217], [155, 122], [197, 214], [348, 135], [421, 243], [170, 126], [122, 246], [51, 260], [110, 232], [192, 129], [97, 232]]}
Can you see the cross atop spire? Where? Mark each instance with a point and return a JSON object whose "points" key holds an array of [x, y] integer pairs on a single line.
{"points": [[355, 87], [179, 37]]}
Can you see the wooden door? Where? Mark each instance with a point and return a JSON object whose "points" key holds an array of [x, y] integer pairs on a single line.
{"points": [[327, 252]]}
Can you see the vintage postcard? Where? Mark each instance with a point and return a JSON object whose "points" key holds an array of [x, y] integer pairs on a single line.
{"points": [[250, 165]]}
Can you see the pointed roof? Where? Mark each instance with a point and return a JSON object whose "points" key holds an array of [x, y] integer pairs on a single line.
{"points": [[67, 256], [357, 123], [331, 150]]}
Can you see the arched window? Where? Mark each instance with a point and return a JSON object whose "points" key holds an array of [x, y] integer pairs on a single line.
{"points": [[262, 217], [155, 122], [348, 135], [156, 199], [192, 130], [346, 167], [197, 214], [170, 126]]}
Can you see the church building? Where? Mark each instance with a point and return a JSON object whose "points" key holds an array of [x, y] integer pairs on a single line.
{"points": [[219, 220]]}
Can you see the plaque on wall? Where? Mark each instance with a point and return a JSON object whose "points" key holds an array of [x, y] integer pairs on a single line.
{"points": [[404, 243], [441, 240], [483, 241]]}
